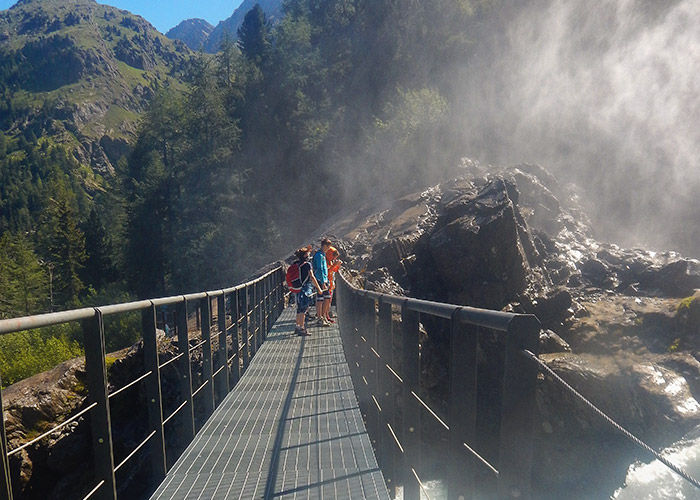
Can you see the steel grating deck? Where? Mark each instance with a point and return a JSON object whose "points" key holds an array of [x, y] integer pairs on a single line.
{"points": [[290, 429]]}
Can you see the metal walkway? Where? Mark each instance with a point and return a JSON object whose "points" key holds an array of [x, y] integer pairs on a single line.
{"points": [[291, 428]]}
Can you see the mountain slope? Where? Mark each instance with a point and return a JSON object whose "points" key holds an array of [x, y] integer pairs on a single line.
{"points": [[272, 9], [192, 32], [80, 73]]}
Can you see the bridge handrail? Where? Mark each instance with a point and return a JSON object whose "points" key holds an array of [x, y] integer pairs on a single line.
{"points": [[515, 482], [254, 306], [366, 326], [12, 325], [496, 320]]}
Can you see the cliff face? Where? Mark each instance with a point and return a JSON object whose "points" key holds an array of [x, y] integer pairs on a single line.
{"points": [[80, 73], [620, 325]]}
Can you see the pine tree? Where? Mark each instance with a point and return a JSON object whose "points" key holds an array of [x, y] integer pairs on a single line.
{"points": [[99, 268], [63, 244], [253, 35], [23, 282]]}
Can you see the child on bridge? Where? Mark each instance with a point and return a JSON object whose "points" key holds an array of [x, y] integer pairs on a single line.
{"points": [[306, 293]]}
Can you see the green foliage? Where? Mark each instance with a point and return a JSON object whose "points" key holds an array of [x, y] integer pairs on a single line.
{"points": [[24, 284], [339, 90], [121, 330], [63, 243], [253, 35], [684, 305], [24, 354], [674, 345]]}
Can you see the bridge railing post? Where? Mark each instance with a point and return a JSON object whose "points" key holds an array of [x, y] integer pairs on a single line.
{"points": [[462, 408], [6, 484], [518, 410], [154, 399], [222, 386], [245, 315], [280, 292], [385, 347], [260, 293], [253, 319], [100, 420], [368, 330], [207, 364], [185, 368], [410, 372], [235, 338], [269, 306]]}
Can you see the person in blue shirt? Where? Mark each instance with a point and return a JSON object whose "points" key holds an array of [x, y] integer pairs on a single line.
{"points": [[320, 268]]}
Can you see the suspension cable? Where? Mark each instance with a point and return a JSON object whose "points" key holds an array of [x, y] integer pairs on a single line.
{"points": [[610, 421]]}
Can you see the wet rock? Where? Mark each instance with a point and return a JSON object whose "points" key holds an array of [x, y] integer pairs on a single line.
{"points": [[477, 250], [651, 401], [551, 342], [554, 307]]}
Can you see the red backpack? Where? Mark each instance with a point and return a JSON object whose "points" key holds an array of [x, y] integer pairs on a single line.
{"points": [[293, 277]]}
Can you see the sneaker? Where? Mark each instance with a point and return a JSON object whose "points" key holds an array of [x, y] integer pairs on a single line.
{"points": [[322, 322], [303, 333], [330, 321]]}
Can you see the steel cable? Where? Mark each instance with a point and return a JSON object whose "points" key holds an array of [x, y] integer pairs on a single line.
{"points": [[609, 420]]}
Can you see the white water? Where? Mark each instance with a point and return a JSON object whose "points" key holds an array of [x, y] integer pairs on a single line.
{"points": [[655, 481]]}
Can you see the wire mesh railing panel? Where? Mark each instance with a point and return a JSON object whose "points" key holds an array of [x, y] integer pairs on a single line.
{"points": [[218, 328], [419, 435]]}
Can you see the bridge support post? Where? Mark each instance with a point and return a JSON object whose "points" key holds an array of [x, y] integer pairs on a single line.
{"points": [[222, 386], [268, 305], [207, 362], [236, 338], [385, 347], [259, 299], [153, 394], [245, 315], [6, 484], [100, 422], [411, 408], [183, 343], [253, 321], [518, 411], [462, 409], [368, 320]]}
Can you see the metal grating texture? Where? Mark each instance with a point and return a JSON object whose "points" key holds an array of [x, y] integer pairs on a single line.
{"points": [[290, 429]]}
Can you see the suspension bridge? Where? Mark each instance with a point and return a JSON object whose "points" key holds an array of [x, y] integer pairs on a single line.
{"points": [[338, 414]]}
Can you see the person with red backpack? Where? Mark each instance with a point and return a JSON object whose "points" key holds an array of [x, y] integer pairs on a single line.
{"points": [[301, 281]]}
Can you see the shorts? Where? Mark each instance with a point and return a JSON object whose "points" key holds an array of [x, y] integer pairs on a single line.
{"points": [[325, 295], [303, 302]]}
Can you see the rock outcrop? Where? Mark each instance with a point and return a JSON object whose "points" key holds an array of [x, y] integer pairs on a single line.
{"points": [[620, 325]]}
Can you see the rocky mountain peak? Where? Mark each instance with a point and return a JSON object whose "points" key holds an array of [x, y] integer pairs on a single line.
{"points": [[192, 32]]}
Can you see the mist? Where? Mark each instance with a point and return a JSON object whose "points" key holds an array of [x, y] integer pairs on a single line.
{"points": [[607, 96]]}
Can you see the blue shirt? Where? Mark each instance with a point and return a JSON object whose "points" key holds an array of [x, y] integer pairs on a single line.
{"points": [[320, 267]]}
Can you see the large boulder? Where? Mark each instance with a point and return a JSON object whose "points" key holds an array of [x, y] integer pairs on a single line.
{"points": [[477, 247]]}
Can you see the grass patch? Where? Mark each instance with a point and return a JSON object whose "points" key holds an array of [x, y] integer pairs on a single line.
{"points": [[686, 303]]}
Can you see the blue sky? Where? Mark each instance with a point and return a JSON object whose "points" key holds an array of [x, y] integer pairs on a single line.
{"points": [[165, 14]]}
